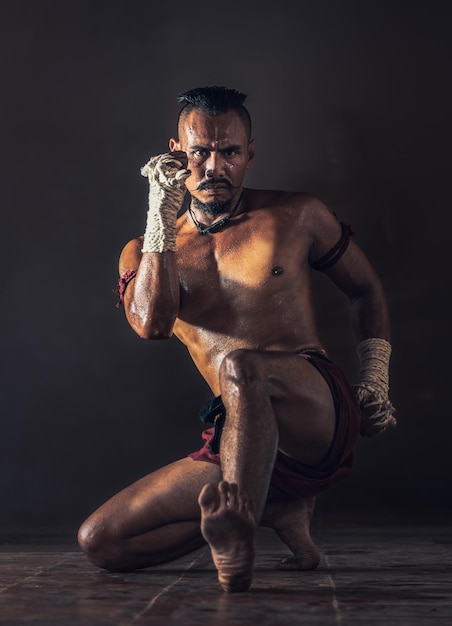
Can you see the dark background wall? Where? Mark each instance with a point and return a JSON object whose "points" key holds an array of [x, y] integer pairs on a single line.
{"points": [[351, 100]]}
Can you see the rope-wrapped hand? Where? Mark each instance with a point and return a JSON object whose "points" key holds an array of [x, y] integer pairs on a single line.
{"points": [[167, 176], [377, 411]]}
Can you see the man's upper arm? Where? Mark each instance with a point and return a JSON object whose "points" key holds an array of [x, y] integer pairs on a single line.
{"points": [[325, 228], [354, 274], [351, 271]]}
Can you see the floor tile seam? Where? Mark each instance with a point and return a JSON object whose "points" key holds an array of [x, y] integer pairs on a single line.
{"points": [[334, 600], [31, 577], [166, 589], [40, 553]]}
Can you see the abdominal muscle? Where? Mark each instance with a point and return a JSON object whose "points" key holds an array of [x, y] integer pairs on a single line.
{"points": [[209, 347]]}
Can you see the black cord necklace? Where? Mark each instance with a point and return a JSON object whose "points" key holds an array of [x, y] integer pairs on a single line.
{"points": [[216, 225]]}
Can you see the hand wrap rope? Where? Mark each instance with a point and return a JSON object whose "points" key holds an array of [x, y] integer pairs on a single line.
{"points": [[373, 387], [166, 193]]}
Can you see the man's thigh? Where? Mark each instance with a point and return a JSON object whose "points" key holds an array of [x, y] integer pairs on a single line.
{"points": [[302, 403], [168, 495]]}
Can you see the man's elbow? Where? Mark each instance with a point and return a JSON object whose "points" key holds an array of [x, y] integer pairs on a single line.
{"points": [[152, 328], [366, 292], [154, 334]]}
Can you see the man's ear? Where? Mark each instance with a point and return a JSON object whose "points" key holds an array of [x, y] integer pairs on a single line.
{"points": [[250, 154], [174, 145]]}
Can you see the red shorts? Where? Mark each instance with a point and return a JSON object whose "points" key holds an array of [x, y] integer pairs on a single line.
{"points": [[292, 479]]}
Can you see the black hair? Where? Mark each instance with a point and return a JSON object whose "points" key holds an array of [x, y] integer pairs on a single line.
{"points": [[215, 100]]}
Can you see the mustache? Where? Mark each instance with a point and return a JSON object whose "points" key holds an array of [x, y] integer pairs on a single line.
{"points": [[215, 181]]}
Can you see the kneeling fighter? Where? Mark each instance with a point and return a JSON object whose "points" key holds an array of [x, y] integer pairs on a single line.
{"points": [[231, 278]]}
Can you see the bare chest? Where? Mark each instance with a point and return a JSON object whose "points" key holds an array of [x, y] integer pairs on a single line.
{"points": [[238, 269]]}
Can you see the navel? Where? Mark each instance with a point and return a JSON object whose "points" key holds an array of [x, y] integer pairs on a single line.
{"points": [[277, 270]]}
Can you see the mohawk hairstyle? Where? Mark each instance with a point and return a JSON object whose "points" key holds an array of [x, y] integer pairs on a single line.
{"points": [[215, 100]]}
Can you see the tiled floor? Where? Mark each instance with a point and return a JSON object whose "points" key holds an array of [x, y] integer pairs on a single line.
{"points": [[391, 574]]}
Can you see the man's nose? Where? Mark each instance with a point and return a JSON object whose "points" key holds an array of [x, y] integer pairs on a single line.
{"points": [[213, 164]]}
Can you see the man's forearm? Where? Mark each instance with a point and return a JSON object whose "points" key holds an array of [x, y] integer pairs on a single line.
{"points": [[371, 315]]}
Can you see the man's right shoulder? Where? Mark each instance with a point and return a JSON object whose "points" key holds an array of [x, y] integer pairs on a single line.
{"points": [[131, 255], [137, 242]]}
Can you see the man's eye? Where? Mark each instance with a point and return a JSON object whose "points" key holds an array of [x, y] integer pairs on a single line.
{"points": [[230, 153], [200, 153]]}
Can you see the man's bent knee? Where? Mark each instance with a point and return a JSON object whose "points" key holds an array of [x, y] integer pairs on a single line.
{"points": [[240, 368], [101, 548]]}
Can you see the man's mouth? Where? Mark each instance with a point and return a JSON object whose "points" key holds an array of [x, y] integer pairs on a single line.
{"points": [[215, 185]]}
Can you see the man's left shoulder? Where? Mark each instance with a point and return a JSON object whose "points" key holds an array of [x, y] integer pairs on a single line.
{"points": [[307, 206], [301, 206]]}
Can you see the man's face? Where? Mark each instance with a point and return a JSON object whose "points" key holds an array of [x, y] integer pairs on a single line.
{"points": [[218, 151]]}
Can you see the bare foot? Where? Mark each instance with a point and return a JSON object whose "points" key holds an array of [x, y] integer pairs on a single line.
{"points": [[228, 526], [291, 520]]}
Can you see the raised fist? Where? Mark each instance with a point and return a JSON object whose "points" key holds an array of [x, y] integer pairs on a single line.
{"points": [[167, 170]]}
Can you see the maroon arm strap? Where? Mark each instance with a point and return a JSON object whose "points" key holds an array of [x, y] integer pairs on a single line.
{"points": [[122, 285], [333, 256]]}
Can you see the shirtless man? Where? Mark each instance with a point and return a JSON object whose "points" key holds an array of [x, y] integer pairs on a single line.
{"points": [[231, 278]]}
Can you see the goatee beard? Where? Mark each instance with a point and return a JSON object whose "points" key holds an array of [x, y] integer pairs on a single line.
{"points": [[213, 209]]}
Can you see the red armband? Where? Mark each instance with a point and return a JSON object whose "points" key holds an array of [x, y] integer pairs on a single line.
{"points": [[333, 256], [122, 285]]}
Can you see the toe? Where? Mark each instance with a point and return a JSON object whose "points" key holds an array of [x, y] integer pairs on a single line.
{"points": [[233, 500], [209, 498], [223, 490]]}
